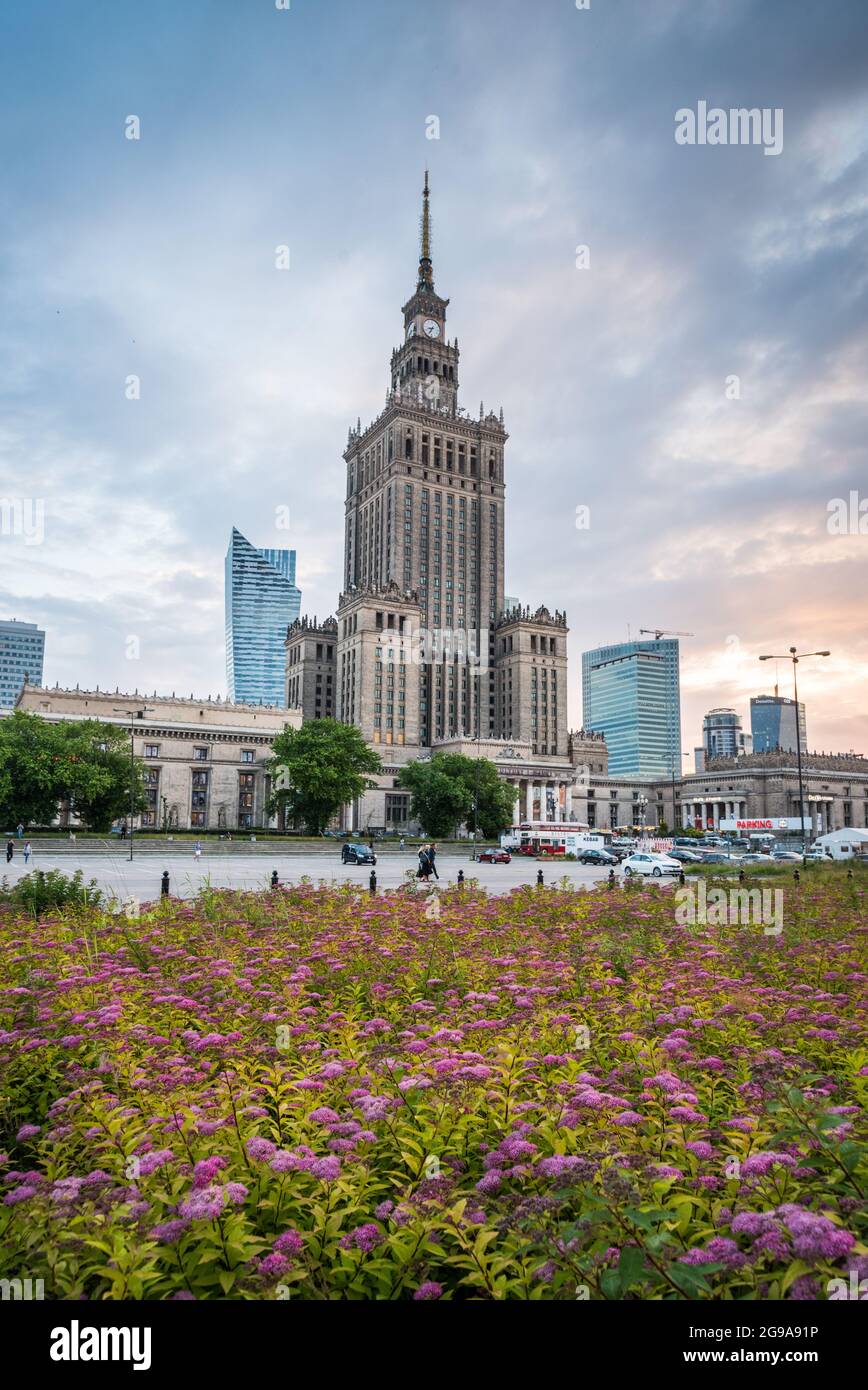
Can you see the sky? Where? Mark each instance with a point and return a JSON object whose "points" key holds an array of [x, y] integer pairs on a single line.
{"points": [[697, 379]]}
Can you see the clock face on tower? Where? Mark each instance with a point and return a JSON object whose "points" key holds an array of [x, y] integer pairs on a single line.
{"points": [[431, 328]]}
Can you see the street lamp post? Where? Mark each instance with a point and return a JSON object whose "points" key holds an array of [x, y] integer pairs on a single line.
{"points": [[476, 774], [796, 656], [133, 714]]}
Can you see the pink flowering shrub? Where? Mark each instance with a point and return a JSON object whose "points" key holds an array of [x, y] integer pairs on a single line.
{"points": [[305, 1095]]}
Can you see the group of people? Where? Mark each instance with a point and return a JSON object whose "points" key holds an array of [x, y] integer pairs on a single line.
{"points": [[427, 863], [10, 851]]}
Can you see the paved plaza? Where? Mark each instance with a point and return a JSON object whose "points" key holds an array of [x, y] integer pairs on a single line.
{"points": [[115, 874]]}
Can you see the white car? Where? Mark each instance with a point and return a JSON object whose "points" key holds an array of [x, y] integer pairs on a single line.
{"points": [[654, 864], [819, 856]]}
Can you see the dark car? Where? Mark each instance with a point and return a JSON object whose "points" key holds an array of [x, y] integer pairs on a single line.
{"points": [[713, 858], [596, 856], [619, 852], [357, 854], [687, 856], [494, 856]]}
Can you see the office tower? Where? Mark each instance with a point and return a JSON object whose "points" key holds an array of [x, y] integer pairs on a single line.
{"points": [[261, 602], [773, 724], [631, 693], [22, 652], [723, 736]]}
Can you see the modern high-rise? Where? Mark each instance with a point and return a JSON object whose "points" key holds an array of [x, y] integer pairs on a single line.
{"points": [[723, 736], [261, 601], [22, 652], [773, 724], [631, 693]]}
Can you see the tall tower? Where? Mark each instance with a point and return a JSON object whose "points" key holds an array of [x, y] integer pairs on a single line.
{"points": [[425, 517], [261, 601]]}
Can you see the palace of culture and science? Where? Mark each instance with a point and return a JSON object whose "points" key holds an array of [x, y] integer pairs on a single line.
{"points": [[422, 655]]}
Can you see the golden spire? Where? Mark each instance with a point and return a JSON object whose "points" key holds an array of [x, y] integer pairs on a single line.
{"points": [[426, 277]]}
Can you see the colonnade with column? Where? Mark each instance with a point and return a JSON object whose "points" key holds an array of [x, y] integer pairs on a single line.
{"points": [[711, 813], [542, 799]]}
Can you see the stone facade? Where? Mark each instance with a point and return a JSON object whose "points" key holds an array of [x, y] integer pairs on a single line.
{"points": [[531, 679], [311, 651], [205, 760]]}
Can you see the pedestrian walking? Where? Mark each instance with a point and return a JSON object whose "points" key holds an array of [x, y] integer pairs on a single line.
{"points": [[424, 869], [10, 850], [20, 831], [27, 852], [197, 850], [124, 831], [401, 844], [432, 855]]}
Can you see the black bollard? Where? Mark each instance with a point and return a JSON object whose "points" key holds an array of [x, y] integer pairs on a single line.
{"points": [[164, 884], [741, 875], [849, 873], [681, 878], [460, 876], [274, 882], [539, 878], [611, 883], [796, 877], [372, 882]]}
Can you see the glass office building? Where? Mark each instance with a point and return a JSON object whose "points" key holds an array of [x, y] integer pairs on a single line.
{"points": [[631, 693], [22, 652], [261, 601], [773, 724]]}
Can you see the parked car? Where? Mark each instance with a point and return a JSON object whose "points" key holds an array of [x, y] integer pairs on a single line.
{"points": [[687, 841], [741, 842], [686, 856], [494, 856], [357, 854], [596, 856], [619, 852], [714, 856], [654, 864], [819, 855], [785, 855], [754, 857]]}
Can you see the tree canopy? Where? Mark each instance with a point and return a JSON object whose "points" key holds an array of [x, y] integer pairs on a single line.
{"points": [[85, 764], [319, 768], [444, 789]]}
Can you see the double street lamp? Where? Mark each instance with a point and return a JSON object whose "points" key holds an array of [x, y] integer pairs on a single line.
{"points": [[133, 715], [796, 656]]}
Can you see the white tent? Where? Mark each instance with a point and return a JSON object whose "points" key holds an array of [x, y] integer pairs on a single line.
{"points": [[844, 844]]}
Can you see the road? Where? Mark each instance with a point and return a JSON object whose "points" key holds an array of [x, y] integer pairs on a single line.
{"points": [[141, 879]]}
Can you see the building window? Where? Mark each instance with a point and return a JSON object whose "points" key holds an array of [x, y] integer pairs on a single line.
{"points": [[152, 750], [247, 755], [200, 755]]}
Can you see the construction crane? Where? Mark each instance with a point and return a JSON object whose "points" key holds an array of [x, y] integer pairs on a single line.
{"points": [[658, 632]]}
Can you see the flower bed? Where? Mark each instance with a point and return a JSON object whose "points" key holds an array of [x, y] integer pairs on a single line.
{"points": [[550, 1095]]}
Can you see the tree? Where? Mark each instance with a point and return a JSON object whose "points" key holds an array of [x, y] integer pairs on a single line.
{"points": [[320, 767], [96, 772], [43, 764], [444, 792]]}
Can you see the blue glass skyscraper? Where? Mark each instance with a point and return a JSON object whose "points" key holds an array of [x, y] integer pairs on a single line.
{"points": [[631, 693], [261, 601], [22, 648]]}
